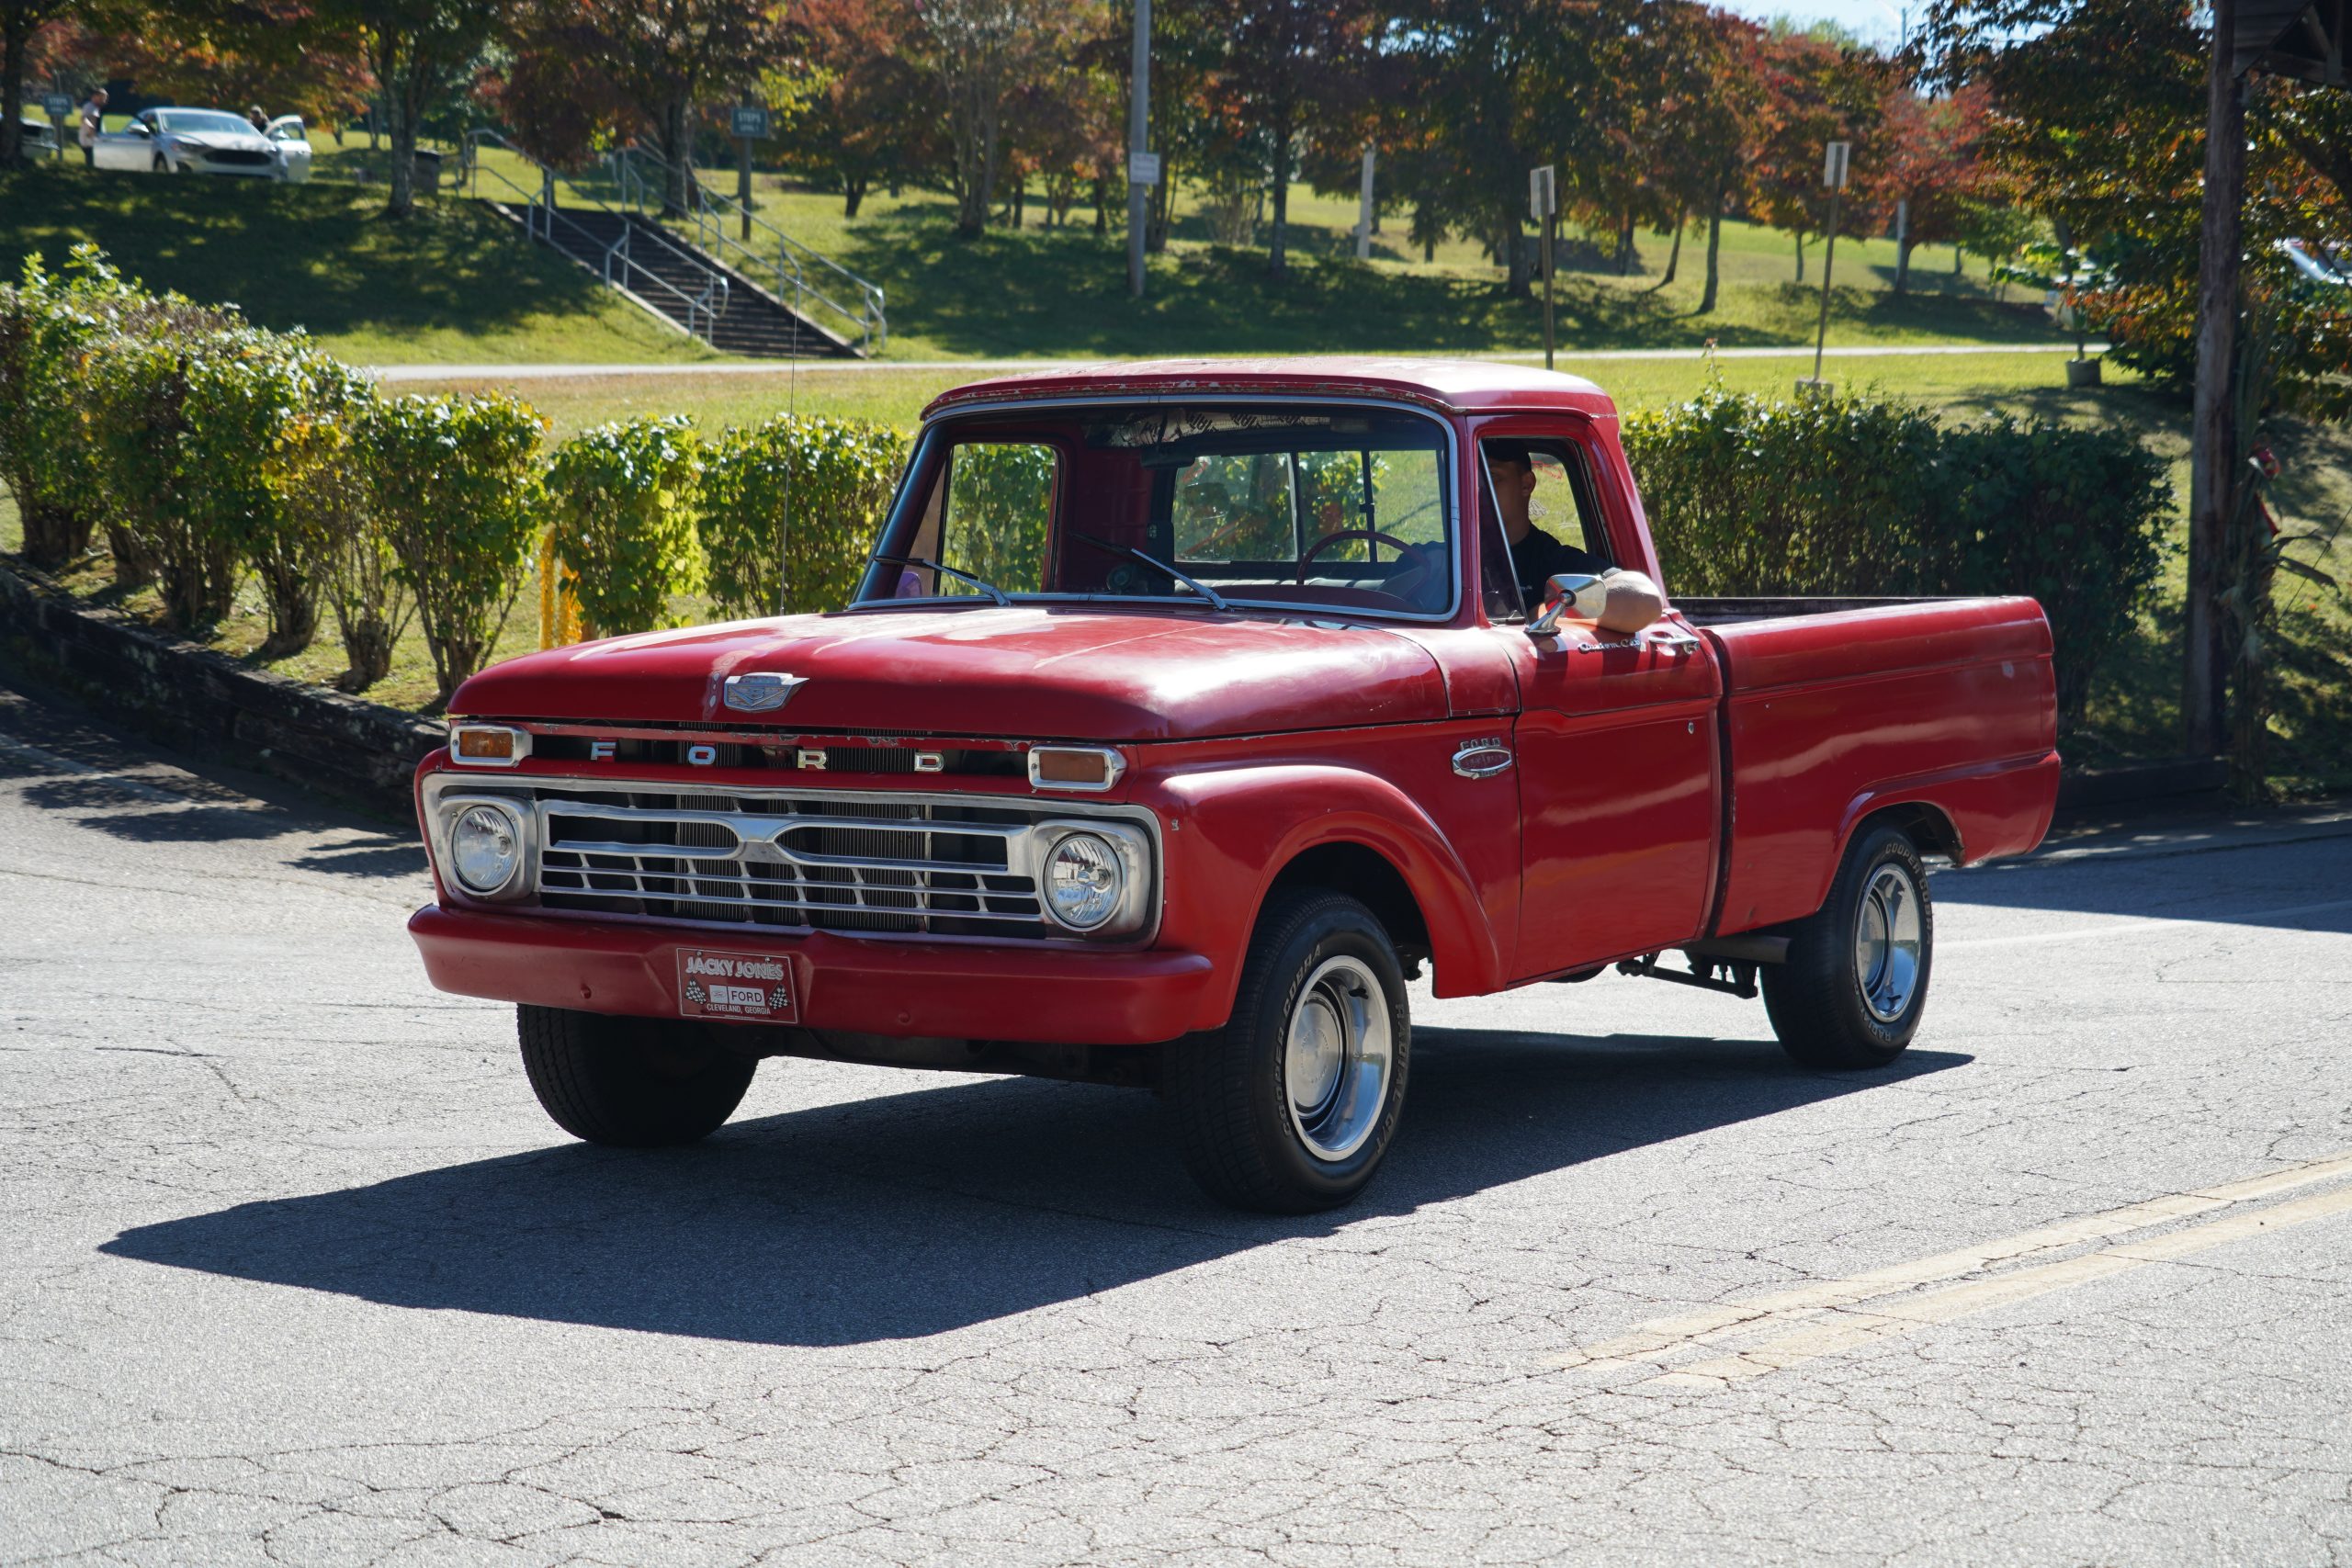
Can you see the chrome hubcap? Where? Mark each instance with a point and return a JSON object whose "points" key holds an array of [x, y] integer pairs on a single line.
{"points": [[1887, 937], [1336, 1058]]}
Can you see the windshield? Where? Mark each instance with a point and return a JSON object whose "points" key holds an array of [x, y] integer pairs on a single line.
{"points": [[201, 122], [1288, 505]]}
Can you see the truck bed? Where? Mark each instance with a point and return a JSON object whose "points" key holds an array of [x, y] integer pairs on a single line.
{"points": [[1835, 709]]}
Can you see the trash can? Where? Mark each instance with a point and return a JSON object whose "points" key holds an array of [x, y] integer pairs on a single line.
{"points": [[426, 171]]}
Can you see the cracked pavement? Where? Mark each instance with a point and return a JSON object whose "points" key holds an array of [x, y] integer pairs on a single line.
{"points": [[297, 1272]]}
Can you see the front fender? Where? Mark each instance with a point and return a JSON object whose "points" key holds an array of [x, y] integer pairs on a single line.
{"points": [[1232, 830]]}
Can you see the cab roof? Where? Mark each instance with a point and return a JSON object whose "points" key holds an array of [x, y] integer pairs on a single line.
{"points": [[1455, 386]]}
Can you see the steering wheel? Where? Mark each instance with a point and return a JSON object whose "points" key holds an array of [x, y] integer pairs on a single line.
{"points": [[1307, 557]]}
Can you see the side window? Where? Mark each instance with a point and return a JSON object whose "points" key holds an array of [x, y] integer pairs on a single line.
{"points": [[1563, 505], [1000, 514]]}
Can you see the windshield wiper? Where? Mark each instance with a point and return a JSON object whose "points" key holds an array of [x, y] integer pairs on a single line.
{"points": [[991, 589], [1194, 584]]}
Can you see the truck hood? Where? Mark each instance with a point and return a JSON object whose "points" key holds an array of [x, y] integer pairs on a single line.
{"points": [[1020, 672]]}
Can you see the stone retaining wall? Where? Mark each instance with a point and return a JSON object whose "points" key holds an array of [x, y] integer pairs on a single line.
{"points": [[206, 704]]}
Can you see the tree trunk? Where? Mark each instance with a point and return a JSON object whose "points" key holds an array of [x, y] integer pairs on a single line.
{"points": [[1278, 253], [1102, 205], [673, 126], [853, 197], [1715, 244], [1800, 255], [2212, 428], [14, 36], [1902, 267], [397, 83], [1020, 199], [1674, 255], [1956, 259], [1626, 242], [1516, 272]]}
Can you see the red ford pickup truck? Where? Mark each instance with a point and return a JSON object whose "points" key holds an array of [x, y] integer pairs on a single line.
{"points": [[1184, 713]]}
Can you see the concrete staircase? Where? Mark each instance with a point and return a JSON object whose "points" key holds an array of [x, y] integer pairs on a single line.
{"points": [[750, 319]]}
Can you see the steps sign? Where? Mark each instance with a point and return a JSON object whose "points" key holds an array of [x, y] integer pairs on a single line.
{"points": [[750, 123], [56, 106]]}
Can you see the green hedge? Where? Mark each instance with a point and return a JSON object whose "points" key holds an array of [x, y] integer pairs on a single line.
{"points": [[206, 449], [1841, 495], [790, 508]]}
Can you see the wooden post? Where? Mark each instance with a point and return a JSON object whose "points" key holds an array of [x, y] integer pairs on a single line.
{"points": [[2213, 437]]}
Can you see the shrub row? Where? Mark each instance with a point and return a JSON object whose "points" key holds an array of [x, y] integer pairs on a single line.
{"points": [[205, 448], [1844, 496]]}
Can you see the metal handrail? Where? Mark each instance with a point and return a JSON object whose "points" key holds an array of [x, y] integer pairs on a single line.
{"points": [[641, 176], [541, 214]]}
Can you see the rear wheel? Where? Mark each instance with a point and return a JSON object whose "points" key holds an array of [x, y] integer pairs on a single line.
{"points": [[633, 1082], [1290, 1107], [1855, 984]]}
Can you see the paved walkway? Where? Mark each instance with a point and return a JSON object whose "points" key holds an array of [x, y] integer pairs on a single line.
{"points": [[837, 367]]}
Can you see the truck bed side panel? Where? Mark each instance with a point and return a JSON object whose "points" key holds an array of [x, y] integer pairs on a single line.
{"points": [[1830, 718]]}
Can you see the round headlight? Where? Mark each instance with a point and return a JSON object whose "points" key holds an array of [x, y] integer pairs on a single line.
{"points": [[485, 849], [1084, 878]]}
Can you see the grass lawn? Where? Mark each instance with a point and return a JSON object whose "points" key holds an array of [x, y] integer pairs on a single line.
{"points": [[457, 283]]}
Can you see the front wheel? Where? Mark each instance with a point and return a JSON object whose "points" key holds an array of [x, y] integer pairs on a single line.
{"points": [[1290, 1108], [631, 1082], [1855, 984]]}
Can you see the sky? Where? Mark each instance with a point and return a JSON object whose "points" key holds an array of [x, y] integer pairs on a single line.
{"points": [[1875, 21]]}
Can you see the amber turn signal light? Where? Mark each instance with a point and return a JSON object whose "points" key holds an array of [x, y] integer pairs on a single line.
{"points": [[1075, 767], [488, 745]]}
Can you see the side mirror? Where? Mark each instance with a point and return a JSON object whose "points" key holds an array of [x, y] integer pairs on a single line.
{"points": [[1622, 602], [1575, 597]]}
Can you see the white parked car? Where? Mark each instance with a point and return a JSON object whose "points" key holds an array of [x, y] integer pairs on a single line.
{"points": [[185, 141], [2319, 262], [291, 138]]}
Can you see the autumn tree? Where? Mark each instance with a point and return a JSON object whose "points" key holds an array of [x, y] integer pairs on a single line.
{"points": [[1283, 66], [665, 59], [2097, 109], [1927, 165], [859, 111], [1816, 87], [976, 54], [1479, 70], [416, 51], [21, 22]]}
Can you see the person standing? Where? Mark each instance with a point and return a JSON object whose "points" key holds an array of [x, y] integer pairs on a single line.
{"points": [[94, 114], [259, 120]]}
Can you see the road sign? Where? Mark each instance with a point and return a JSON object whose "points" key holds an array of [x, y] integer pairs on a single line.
{"points": [[1143, 168], [1833, 166], [56, 106], [751, 123], [1542, 195]]}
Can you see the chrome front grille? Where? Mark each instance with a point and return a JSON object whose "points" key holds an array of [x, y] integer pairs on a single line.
{"points": [[847, 863]]}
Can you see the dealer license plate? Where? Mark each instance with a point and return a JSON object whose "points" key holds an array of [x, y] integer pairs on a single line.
{"points": [[753, 987]]}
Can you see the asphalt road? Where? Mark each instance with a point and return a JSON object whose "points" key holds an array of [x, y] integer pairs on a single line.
{"points": [[295, 1270]]}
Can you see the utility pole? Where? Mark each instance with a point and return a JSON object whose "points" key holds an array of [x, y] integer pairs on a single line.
{"points": [[1140, 159], [2212, 431], [1833, 174]]}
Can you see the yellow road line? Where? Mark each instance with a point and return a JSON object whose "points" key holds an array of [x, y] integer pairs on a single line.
{"points": [[1850, 1330], [1665, 1335]]}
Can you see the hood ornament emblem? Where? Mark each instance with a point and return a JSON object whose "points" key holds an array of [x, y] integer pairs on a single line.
{"points": [[761, 693]]}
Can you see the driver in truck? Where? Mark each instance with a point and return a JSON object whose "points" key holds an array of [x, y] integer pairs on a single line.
{"points": [[1632, 600], [1536, 556]]}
